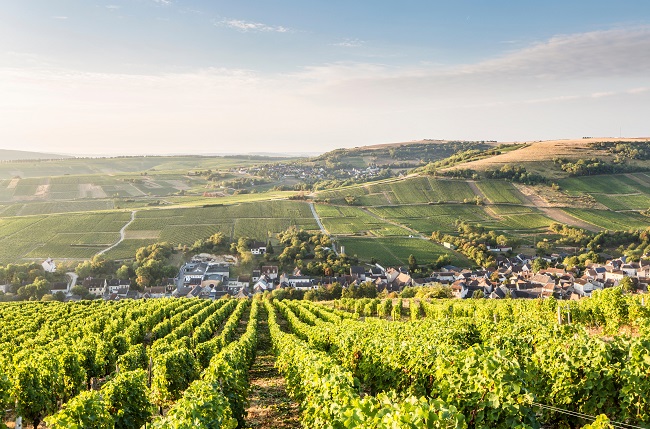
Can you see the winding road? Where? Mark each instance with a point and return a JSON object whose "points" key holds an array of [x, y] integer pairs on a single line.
{"points": [[122, 234], [320, 224]]}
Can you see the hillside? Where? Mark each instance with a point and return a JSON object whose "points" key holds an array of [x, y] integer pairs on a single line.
{"points": [[17, 155], [404, 154], [538, 156], [74, 208]]}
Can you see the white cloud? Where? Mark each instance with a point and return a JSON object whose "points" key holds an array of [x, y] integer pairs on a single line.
{"points": [[559, 88], [250, 26], [60, 17], [350, 43], [163, 2], [113, 6]]}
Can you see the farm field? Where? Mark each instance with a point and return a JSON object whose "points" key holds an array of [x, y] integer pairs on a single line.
{"points": [[344, 220], [624, 202], [604, 184], [83, 235], [412, 190], [61, 236], [611, 220], [395, 251], [413, 361], [499, 191], [111, 166]]}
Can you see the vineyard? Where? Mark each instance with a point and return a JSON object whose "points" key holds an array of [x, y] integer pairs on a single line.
{"points": [[365, 363]]}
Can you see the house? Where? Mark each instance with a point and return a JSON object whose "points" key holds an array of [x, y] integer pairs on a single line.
{"points": [[59, 287], [358, 272], [449, 245], [501, 292], [271, 271], [443, 276], [256, 275], [263, 284], [117, 285], [297, 282], [193, 271], [213, 279], [377, 271], [181, 291], [258, 248], [155, 292], [240, 282], [500, 249], [95, 287], [49, 266], [614, 276], [243, 293], [195, 292]]}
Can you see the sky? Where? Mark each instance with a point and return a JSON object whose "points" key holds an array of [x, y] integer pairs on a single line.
{"points": [[211, 76]]}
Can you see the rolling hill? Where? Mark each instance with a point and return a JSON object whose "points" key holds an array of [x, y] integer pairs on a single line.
{"points": [[17, 155], [538, 156]]}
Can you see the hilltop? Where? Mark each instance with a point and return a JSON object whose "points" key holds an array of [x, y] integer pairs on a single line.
{"points": [[539, 156], [405, 154], [19, 155]]}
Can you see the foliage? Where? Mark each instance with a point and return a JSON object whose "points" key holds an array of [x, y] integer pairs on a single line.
{"points": [[127, 399], [86, 411], [203, 406], [515, 174]]}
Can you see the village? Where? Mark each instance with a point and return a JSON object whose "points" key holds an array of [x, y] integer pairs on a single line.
{"points": [[212, 277]]}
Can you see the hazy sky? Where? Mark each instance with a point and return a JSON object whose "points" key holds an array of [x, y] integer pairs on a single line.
{"points": [[179, 76]]}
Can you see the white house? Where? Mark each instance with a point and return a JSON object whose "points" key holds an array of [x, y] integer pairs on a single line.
{"points": [[258, 248], [49, 265]]}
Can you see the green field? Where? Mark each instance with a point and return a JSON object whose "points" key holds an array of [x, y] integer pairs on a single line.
{"points": [[83, 235], [624, 202], [611, 220], [61, 236], [429, 218], [498, 191], [108, 166], [395, 251], [344, 220], [413, 190], [609, 184]]}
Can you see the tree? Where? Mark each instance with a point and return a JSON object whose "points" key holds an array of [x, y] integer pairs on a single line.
{"points": [[80, 291], [478, 294], [627, 284], [84, 270], [539, 264], [123, 273], [36, 290], [413, 263]]}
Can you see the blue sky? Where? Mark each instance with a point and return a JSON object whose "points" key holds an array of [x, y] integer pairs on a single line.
{"points": [[162, 76]]}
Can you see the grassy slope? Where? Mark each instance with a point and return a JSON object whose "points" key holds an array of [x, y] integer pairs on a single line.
{"points": [[538, 156]]}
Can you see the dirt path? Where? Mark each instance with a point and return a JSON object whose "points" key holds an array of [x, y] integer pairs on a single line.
{"points": [[317, 219], [534, 200], [270, 405], [122, 234], [472, 184], [563, 217]]}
